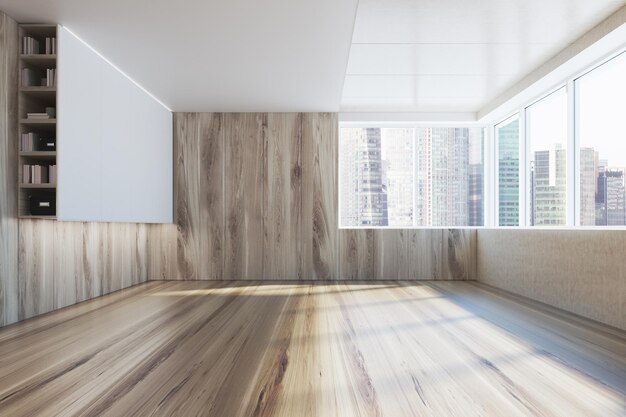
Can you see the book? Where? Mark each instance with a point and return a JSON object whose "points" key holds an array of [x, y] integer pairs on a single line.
{"points": [[51, 48], [30, 78], [37, 116], [29, 141], [30, 46]]}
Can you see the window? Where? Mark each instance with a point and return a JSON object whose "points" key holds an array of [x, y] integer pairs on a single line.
{"points": [[547, 166], [404, 177], [507, 138], [601, 107]]}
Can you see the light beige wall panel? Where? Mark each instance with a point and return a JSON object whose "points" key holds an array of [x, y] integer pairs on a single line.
{"points": [[320, 249], [583, 272], [282, 209], [8, 170], [244, 142]]}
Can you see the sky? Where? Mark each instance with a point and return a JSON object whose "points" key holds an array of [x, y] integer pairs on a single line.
{"points": [[602, 101]]}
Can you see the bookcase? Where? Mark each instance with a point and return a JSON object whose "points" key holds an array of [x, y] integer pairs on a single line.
{"points": [[37, 133]]}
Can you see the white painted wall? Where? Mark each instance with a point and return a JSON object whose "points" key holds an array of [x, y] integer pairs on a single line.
{"points": [[114, 142]]}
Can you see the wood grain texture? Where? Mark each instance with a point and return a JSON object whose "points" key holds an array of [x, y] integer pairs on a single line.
{"points": [[382, 348], [244, 145], [278, 210], [581, 271], [406, 254], [8, 169], [199, 194], [320, 247], [282, 209], [63, 263]]}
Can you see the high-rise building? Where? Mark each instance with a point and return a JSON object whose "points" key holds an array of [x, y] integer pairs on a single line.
{"points": [[442, 179], [549, 187], [601, 194], [364, 194], [475, 198], [615, 214], [588, 185], [508, 174], [397, 159]]}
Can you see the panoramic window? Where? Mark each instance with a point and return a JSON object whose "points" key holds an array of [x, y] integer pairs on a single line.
{"points": [[507, 142], [411, 177], [547, 166], [601, 104]]}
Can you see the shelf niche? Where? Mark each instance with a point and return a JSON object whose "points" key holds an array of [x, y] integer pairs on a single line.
{"points": [[37, 95]]}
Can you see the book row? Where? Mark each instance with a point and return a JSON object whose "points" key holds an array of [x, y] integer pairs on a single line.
{"points": [[39, 174], [31, 78], [31, 142], [31, 46]]}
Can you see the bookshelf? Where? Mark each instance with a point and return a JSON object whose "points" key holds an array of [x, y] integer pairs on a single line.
{"points": [[37, 121]]}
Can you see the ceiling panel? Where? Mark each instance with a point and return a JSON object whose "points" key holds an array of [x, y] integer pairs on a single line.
{"points": [[426, 86], [478, 21], [457, 59], [412, 54]]}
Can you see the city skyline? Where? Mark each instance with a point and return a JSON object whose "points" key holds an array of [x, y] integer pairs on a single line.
{"points": [[403, 177]]}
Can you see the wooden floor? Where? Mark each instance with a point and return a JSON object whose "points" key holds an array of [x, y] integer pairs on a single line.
{"points": [[298, 349]]}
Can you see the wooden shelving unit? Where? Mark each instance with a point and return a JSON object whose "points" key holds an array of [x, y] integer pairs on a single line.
{"points": [[35, 99]]}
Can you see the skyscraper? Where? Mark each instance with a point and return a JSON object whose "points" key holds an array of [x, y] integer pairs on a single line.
{"points": [[601, 194], [549, 187], [588, 185], [615, 213], [508, 174], [364, 194], [397, 159], [442, 184]]}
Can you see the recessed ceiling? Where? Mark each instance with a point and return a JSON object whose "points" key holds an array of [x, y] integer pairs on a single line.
{"points": [[456, 55], [215, 55]]}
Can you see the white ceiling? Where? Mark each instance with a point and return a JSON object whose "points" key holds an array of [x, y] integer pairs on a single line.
{"points": [[456, 55], [215, 55], [426, 56]]}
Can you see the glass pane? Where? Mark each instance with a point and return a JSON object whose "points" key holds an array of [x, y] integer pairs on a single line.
{"points": [[601, 103], [403, 177], [449, 176], [547, 139], [507, 136], [376, 182]]}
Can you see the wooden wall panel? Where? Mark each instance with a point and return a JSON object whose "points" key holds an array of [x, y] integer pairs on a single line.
{"points": [[426, 255], [320, 249], [199, 194], [8, 170], [186, 192], [282, 209], [459, 253], [244, 156], [211, 195], [63, 263], [407, 254], [279, 208]]}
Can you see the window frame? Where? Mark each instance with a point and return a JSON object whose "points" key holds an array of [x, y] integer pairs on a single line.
{"points": [[490, 157], [412, 125]]}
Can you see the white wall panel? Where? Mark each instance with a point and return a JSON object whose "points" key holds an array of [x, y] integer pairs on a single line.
{"points": [[78, 131], [115, 143]]}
